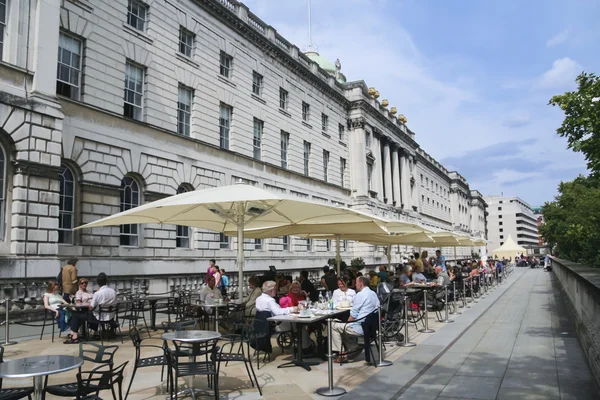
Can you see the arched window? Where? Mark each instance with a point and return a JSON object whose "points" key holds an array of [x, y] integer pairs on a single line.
{"points": [[182, 236], [66, 205], [2, 191], [130, 198]]}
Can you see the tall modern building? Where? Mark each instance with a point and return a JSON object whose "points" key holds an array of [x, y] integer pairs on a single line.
{"points": [[510, 216], [109, 104]]}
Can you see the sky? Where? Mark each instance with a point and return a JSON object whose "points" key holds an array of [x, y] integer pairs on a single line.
{"points": [[473, 77]]}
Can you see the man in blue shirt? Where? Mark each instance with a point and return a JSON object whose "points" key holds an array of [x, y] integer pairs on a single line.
{"points": [[363, 304], [440, 260]]}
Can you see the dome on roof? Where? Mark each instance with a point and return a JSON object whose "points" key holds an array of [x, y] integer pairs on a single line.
{"points": [[322, 61]]}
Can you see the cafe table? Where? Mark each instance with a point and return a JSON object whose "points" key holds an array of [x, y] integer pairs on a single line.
{"points": [[37, 368], [217, 304], [315, 316], [191, 336]]}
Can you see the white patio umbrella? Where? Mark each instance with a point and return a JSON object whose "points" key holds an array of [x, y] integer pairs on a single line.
{"points": [[234, 207]]}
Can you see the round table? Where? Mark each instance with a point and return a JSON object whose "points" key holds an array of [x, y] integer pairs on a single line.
{"points": [[37, 368], [190, 337], [216, 305]]}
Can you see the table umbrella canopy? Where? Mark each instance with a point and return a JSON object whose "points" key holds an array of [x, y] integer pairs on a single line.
{"points": [[235, 207]]}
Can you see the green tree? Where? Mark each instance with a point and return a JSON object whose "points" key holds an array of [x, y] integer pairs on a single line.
{"points": [[581, 125], [572, 221]]}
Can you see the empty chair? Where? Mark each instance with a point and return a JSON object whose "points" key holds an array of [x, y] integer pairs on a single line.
{"points": [[159, 360]]}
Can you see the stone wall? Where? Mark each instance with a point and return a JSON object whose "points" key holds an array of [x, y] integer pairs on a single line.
{"points": [[581, 287]]}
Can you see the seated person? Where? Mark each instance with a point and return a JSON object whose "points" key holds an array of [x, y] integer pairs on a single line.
{"points": [[405, 278], [83, 297], [418, 277], [365, 302], [343, 292], [210, 293], [294, 296], [266, 301], [52, 301], [250, 301], [374, 280], [104, 297], [307, 286], [283, 285], [442, 281]]}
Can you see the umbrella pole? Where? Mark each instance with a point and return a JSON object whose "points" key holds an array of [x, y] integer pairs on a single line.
{"points": [[338, 257], [389, 256], [455, 259], [240, 250]]}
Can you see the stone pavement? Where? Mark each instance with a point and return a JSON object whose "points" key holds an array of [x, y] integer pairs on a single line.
{"points": [[514, 343], [522, 347]]}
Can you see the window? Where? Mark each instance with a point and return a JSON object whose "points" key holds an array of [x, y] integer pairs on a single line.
{"points": [[306, 158], [421, 179], [285, 241], [328, 245], [68, 73], [285, 142], [309, 244], [499, 216], [258, 244], [186, 41], [224, 125], [325, 165], [184, 110], [369, 175], [2, 27], [256, 143], [501, 229], [130, 198], [182, 233], [324, 122], [305, 111], [344, 245], [501, 236], [500, 223], [3, 163], [257, 83], [341, 130], [501, 243], [134, 83], [283, 99], [342, 170], [66, 204], [224, 241], [499, 208], [226, 64], [136, 14]]}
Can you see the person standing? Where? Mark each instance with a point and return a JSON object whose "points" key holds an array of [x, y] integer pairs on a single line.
{"points": [[224, 282], [383, 275], [440, 260], [69, 279], [211, 267], [418, 267], [217, 276]]}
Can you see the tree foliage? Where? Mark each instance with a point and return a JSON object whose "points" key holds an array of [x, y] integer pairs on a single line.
{"points": [[581, 125], [572, 221]]}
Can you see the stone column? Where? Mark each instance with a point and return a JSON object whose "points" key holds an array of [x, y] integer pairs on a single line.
{"points": [[378, 167], [405, 181], [396, 178], [412, 188], [357, 166], [45, 46], [387, 173]]}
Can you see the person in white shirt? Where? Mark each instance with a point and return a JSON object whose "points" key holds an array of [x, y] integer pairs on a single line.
{"points": [[342, 293], [365, 302], [210, 293], [104, 297], [266, 302]]}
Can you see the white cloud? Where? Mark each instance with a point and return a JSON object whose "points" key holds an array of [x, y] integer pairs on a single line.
{"points": [[562, 74], [560, 38]]}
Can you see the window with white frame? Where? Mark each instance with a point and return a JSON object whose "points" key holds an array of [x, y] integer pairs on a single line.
{"points": [[224, 125], [130, 198], [309, 244], [324, 122], [285, 241], [134, 91], [306, 158], [137, 14], [226, 63], [285, 142], [283, 98], [341, 131], [2, 27], [258, 244], [257, 140], [184, 110], [328, 245], [66, 205], [68, 73], [342, 170], [305, 111], [186, 41], [344, 245], [182, 233], [325, 165], [3, 164], [224, 241], [257, 83]]}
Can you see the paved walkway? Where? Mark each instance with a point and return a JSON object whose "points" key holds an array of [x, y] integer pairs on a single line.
{"points": [[522, 347]]}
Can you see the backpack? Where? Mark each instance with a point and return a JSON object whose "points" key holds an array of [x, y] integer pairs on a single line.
{"points": [[59, 278]]}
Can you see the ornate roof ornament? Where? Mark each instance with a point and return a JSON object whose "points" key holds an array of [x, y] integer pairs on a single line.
{"points": [[385, 103], [372, 92], [402, 118], [393, 111]]}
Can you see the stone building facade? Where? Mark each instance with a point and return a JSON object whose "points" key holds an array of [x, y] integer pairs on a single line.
{"points": [[108, 104]]}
